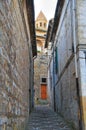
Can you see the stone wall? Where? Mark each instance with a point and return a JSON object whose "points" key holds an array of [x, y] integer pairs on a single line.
{"points": [[69, 97], [81, 24], [65, 89], [40, 71], [14, 67]]}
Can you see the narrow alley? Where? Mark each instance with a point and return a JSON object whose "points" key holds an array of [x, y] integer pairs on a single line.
{"points": [[42, 65], [44, 118]]}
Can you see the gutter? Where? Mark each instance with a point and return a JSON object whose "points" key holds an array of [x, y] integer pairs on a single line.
{"points": [[31, 19], [58, 11], [74, 36]]}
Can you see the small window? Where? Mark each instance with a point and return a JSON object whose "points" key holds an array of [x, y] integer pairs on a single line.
{"points": [[45, 25], [40, 24], [43, 80]]}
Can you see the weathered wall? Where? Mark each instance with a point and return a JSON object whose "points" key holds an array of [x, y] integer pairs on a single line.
{"points": [[65, 89], [81, 24], [66, 98], [40, 70], [14, 67], [81, 43], [70, 43]]}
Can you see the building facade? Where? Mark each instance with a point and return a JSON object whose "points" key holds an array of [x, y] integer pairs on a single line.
{"points": [[17, 50], [40, 63], [67, 61]]}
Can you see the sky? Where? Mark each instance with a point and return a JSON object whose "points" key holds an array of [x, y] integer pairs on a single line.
{"points": [[46, 6]]}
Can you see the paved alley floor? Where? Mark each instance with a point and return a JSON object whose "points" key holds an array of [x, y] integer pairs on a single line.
{"points": [[44, 118]]}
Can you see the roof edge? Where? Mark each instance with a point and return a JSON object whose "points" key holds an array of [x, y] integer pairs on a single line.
{"points": [[57, 16], [31, 20]]}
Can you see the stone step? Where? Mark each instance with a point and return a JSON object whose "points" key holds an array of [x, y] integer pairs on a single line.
{"points": [[44, 118]]}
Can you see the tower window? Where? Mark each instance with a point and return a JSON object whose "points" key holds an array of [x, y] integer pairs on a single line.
{"points": [[37, 25], [40, 24], [45, 25]]}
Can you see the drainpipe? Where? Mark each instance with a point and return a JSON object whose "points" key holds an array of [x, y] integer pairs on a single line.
{"points": [[75, 57], [33, 81], [54, 81]]}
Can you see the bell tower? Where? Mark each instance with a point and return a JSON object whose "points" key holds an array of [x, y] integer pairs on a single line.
{"points": [[40, 63], [41, 21], [41, 30]]}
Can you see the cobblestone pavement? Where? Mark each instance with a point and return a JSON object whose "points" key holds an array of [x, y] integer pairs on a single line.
{"points": [[44, 118]]}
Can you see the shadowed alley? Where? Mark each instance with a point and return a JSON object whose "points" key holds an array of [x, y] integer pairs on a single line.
{"points": [[42, 64]]}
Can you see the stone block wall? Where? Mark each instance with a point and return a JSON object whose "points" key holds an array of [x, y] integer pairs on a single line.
{"points": [[66, 97], [14, 67], [40, 71]]}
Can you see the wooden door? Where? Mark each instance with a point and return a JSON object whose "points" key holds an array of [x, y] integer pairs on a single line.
{"points": [[43, 91]]}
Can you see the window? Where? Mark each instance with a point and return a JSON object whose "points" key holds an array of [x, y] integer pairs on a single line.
{"points": [[40, 24], [43, 80], [45, 25], [37, 25]]}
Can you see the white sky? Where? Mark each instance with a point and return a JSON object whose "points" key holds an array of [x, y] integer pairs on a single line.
{"points": [[47, 6]]}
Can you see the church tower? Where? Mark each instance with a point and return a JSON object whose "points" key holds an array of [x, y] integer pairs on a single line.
{"points": [[41, 21], [41, 29], [40, 63]]}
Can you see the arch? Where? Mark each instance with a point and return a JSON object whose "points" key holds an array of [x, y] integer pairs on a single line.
{"points": [[39, 45]]}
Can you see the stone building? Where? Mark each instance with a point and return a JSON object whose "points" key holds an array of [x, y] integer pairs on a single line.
{"points": [[66, 41], [17, 51], [40, 63]]}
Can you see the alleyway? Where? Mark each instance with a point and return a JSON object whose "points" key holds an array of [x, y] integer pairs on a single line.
{"points": [[42, 60], [43, 118]]}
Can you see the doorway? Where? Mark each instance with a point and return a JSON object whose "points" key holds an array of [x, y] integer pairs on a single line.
{"points": [[43, 91]]}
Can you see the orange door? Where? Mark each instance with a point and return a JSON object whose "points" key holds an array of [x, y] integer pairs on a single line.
{"points": [[43, 91]]}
